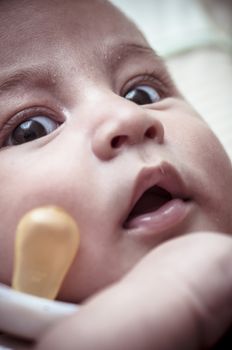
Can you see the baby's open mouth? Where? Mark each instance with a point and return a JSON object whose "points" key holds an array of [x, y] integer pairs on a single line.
{"points": [[159, 201], [150, 201]]}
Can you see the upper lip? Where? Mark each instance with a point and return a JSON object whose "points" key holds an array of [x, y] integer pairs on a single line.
{"points": [[165, 176]]}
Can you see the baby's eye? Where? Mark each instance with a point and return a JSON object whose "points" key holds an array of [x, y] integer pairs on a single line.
{"points": [[142, 95], [31, 129]]}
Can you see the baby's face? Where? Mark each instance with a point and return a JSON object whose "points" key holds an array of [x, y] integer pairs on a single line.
{"points": [[90, 121]]}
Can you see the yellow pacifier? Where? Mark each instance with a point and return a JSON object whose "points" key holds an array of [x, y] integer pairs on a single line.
{"points": [[47, 240]]}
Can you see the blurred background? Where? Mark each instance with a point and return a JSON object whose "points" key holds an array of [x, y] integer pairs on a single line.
{"points": [[195, 38]]}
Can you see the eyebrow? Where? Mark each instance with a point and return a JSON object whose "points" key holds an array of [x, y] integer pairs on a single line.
{"points": [[125, 51], [27, 77], [47, 77]]}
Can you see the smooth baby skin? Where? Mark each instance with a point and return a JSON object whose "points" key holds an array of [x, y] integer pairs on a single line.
{"points": [[161, 304], [74, 78]]}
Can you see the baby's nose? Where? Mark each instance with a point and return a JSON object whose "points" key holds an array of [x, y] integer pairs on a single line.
{"points": [[123, 128]]}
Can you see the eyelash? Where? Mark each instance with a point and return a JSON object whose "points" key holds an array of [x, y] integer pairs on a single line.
{"points": [[24, 115], [161, 84]]}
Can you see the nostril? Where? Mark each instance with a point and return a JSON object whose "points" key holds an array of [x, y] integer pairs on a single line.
{"points": [[118, 141], [150, 132]]}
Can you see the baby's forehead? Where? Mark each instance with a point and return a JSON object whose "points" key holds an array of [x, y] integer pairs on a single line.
{"points": [[43, 47], [82, 14], [30, 22], [40, 30]]}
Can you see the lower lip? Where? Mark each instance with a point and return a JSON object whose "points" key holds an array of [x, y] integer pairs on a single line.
{"points": [[166, 217]]}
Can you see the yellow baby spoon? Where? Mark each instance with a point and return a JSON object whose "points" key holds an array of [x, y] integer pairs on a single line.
{"points": [[47, 240]]}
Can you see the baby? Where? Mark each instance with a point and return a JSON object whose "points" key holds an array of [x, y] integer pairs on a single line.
{"points": [[92, 122]]}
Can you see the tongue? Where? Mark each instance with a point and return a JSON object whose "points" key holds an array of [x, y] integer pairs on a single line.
{"points": [[150, 201]]}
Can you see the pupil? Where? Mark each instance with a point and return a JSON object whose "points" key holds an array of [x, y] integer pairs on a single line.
{"points": [[28, 131], [140, 97]]}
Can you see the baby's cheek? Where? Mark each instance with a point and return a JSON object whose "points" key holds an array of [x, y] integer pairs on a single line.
{"points": [[11, 209], [6, 250], [204, 164], [193, 142], [212, 158], [13, 204]]}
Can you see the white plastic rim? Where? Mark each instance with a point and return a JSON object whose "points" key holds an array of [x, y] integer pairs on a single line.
{"points": [[28, 316]]}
